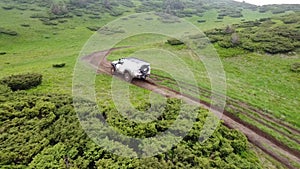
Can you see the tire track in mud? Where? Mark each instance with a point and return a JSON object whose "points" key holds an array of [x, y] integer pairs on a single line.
{"points": [[236, 103], [261, 113], [243, 108], [256, 136]]}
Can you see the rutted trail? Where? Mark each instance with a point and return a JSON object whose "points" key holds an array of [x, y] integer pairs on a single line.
{"points": [[261, 139]]}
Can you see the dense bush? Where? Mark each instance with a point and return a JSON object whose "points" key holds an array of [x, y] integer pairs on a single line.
{"points": [[22, 81], [25, 25], [127, 3], [43, 131], [174, 42], [8, 32], [39, 15], [22, 7], [115, 12], [78, 13], [278, 46], [278, 10], [8, 7], [295, 67], [93, 28], [59, 65], [231, 12], [291, 18], [201, 20], [49, 22], [264, 35]]}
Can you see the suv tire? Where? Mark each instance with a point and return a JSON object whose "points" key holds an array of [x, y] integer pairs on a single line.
{"points": [[127, 76], [113, 71]]}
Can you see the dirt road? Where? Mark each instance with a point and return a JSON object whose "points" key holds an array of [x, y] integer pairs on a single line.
{"points": [[256, 136]]}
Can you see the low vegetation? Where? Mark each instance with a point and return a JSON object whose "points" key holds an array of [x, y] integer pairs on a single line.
{"points": [[59, 65], [22, 81], [264, 35], [8, 32], [295, 67], [174, 42], [42, 131]]}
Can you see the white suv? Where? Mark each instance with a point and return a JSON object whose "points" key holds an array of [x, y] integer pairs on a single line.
{"points": [[131, 68]]}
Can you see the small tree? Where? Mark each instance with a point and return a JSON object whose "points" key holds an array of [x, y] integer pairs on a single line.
{"points": [[229, 29], [107, 4], [59, 8], [235, 39]]}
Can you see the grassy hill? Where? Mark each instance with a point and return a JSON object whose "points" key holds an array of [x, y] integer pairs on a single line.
{"points": [[36, 34]]}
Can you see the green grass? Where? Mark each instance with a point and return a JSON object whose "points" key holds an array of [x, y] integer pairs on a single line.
{"points": [[264, 81], [261, 80], [37, 47], [32, 52]]}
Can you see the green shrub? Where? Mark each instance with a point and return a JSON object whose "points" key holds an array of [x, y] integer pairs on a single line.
{"points": [[263, 10], [22, 81], [22, 8], [291, 18], [220, 17], [59, 8], [248, 45], [295, 67], [8, 7], [264, 19], [39, 15], [278, 11], [278, 46], [236, 15], [250, 24], [127, 3], [149, 19], [48, 22], [78, 13], [229, 52], [59, 65], [25, 25], [95, 17], [63, 21], [115, 12], [201, 21], [93, 28], [4, 89], [174, 42], [8, 32]]}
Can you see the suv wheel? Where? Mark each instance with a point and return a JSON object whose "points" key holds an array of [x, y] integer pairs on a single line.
{"points": [[127, 77], [113, 71]]}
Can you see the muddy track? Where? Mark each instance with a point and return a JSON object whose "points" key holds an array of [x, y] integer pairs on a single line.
{"points": [[250, 112], [261, 139], [261, 114]]}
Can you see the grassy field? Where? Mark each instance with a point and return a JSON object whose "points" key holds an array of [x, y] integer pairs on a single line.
{"points": [[264, 81]]}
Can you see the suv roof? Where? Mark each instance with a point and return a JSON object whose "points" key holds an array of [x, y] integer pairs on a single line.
{"points": [[136, 60]]}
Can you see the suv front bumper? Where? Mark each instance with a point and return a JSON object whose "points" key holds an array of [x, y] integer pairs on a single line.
{"points": [[143, 76]]}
